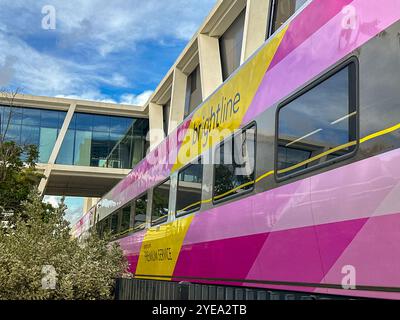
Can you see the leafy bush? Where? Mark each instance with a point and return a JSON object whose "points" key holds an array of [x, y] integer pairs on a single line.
{"points": [[84, 271]]}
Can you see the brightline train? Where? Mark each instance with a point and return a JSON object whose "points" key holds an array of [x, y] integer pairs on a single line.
{"points": [[309, 200]]}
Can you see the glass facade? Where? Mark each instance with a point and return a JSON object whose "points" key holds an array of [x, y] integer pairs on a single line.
{"points": [[104, 141], [32, 126]]}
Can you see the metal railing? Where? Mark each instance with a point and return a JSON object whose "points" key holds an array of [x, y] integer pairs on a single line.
{"points": [[139, 289]]}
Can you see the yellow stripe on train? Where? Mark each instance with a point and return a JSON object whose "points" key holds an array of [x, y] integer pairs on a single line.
{"points": [[223, 113], [160, 248]]}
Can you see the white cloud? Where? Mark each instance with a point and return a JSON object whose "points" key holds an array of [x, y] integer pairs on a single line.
{"points": [[84, 52], [137, 100]]}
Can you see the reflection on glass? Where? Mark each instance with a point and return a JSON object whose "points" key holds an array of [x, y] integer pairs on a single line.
{"points": [[32, 126], [126, 218], [140, 212], [114, 222], [318, 126], [160, 203], [282, 11], [104, 141], [189, 189], [234, 165]]}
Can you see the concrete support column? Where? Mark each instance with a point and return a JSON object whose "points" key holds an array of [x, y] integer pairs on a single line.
{"points": [[156, 124], [210, 64], [57, 147], [255, 26], [178, 97]]}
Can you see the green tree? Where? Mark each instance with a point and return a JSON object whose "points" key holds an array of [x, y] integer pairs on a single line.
{"points": [[18, 174], [31, 246], [38, 257]]}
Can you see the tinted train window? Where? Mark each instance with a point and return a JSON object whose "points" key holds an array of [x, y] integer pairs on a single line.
{"points": [[320, 125], [160, 203], [114, 223], [126, 217], [140, 212], [234, 165], [190, 181], [106, 226]]}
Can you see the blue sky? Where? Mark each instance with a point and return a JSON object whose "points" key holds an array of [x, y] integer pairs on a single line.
{"points": [[103, 50]]}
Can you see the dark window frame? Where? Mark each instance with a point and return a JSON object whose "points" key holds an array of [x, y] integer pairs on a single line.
{"points": [[133, 202], [152, 204], [177, 188], [129, 204], [245, 192], [354, 93]]}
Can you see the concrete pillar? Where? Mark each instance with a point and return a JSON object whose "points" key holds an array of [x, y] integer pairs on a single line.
{"points": [[89, 203], [255, 26], [156, 125], [178, 97], [210, 64], [57, 147]]}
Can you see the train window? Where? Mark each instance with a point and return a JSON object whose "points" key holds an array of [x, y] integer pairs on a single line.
{"points": [[160, 203], [319, 125], [281, 11], [140, 212], [106, 226], [234, 165], [114, 222], [100, 228], [190, 180], [126, 217]]}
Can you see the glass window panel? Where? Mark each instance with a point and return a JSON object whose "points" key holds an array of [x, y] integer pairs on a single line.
{"points": [[189, 189], [160, 203], [120, 125], [48, 137], [12, 115], [83, 121], [106, 226], [282, 11], [30, 135], [231, 46], [49, 118], [83, 144], [61, 118], [13, 133], [125, 152], [234, 165], [126, 218], [100, 149], [31, 117], [114, 222], [140, 212], [66, 155], [318, 123], [101, 123], [138, 150]]}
